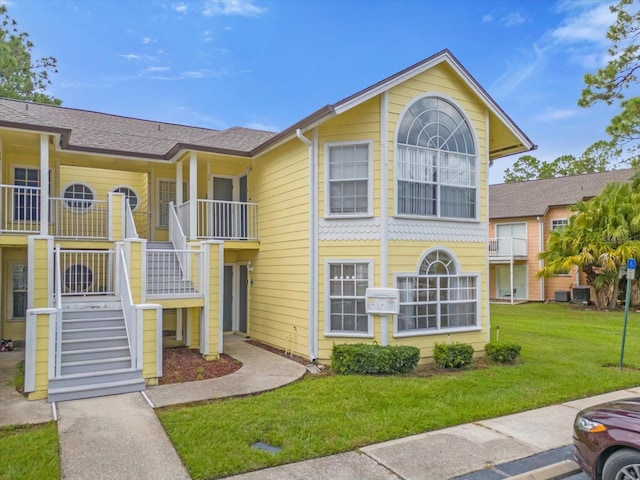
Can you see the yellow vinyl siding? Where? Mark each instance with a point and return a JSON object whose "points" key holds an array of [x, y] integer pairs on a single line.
{"points": [[279, 292], [149, 344], [41, 382]]}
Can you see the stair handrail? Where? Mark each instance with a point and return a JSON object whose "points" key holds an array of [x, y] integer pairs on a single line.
{"points": [[128, 307], [130, 230], [179, 241], [58, 295]]}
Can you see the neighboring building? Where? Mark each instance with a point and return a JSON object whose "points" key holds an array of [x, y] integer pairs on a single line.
{"points": [[521, 216], [117, 231]]}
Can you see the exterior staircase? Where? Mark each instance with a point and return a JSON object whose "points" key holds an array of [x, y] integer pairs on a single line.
{"points": [[95, 352], [164, 272]]}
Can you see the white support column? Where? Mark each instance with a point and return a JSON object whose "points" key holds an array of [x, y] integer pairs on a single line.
{"points": [[193, 196], [179, 182], [44, 184], [179, 312]]}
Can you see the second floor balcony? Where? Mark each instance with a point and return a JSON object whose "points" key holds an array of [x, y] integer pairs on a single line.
{"points": [[504, 248], [22, 212]]}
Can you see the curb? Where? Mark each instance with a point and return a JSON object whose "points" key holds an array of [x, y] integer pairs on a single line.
{"points": [[550, 472]]}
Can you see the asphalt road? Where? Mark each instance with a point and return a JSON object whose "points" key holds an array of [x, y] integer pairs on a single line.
{"points": [[524, 465]]}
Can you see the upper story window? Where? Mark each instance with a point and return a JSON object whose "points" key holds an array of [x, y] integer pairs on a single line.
{"points": [[78, 197], [559, 223], [436, 164], [348, 179], [129, 195]]}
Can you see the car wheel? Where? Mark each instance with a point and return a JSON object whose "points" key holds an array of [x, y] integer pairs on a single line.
{"points": [[622, 465]]}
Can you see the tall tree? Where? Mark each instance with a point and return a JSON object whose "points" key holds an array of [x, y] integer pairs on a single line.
{"points": [[22, 77], [601, 235], [611, 83], [599, 157]]}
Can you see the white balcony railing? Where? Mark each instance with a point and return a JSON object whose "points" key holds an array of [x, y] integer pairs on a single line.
{"points": [[167, 277], [130, 230], [507, 247], [20, 208], [78, 218], [221, 220], [85, 272]]}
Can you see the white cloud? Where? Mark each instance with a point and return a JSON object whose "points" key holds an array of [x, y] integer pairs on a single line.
{"points": [[556, 114], [245, 8], [585, 25], [157, 69], [146, 40], [512, 19], [180, 7], [130, 56], [487, 18], [193, 74], [262, 126], [520, 72]]}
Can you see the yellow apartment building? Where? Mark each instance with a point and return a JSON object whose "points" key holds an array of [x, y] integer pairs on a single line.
{"points": [[366, 221]]}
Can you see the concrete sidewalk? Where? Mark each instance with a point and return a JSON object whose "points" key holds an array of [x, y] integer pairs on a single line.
{"points": [[120, 436]]}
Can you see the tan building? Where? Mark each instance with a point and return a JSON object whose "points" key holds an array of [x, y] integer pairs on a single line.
{"points": [[521, 216]]}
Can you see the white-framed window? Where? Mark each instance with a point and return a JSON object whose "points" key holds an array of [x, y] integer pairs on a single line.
{"points": [[436, 162], [18, 300], [349, 179], [559, 223], [346, 286], [78, 197], [26, 195], [438, 298], [78, 278], [130, 195]]}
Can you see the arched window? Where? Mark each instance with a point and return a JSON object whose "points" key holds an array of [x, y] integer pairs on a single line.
{"points": [[78, 197], [129, 195], [438, 297], [436, 165]]}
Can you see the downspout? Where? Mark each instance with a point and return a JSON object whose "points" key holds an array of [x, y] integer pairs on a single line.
{"points": [[541, 249], [487, 213], [313, 244], [384, 205]]}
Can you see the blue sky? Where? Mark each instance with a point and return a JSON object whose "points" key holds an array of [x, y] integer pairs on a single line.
{"points": [[267, 64]]}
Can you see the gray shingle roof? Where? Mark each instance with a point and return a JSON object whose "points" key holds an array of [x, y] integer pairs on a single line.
{"points": [[533, 198], [101, 132]]}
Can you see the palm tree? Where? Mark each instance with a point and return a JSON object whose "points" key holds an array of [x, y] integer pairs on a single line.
{"points": [[602, 234]]}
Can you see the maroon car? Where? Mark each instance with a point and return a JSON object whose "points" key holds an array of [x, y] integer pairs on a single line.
{"points": [[606, 440]]}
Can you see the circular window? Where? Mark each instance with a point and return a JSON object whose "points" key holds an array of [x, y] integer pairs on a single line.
{"points": [[78, 197], [78, 278], [129, 195]]}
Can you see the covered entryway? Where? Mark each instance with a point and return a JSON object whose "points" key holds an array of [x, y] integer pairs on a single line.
{"points": [[235, 299], [503, 288]]}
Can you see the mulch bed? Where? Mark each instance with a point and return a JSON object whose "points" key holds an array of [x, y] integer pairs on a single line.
{"points": [[182, 364], [278, 351]]}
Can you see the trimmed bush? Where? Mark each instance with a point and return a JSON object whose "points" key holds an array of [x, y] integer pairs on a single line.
{"points": [[503, 352], [363, 358], [453, 355]]}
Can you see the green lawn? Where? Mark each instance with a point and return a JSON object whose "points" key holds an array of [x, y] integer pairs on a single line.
{"points": [[29, 452], [566, 354]]}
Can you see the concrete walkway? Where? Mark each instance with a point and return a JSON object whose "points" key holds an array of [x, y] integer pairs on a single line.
{"points": [[120, 437]]}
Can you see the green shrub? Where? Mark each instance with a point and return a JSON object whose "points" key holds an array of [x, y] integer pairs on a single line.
{"points": [[453, 355], [503, 352], [362, 358]]}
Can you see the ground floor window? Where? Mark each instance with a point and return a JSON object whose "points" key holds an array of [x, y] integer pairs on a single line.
{"points": [[437, 297], [18, 290], [347, 285]]}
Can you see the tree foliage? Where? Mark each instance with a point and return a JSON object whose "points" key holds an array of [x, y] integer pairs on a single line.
{"points": [[22, 77], [611, 83], [601, 235], [599, 157]]}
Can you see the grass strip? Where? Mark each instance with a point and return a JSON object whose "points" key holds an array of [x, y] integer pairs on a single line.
{"points": [[567, 353], [29, 452]]}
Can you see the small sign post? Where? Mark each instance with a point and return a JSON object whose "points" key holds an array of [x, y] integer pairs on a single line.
{"points": [[631, 274]]}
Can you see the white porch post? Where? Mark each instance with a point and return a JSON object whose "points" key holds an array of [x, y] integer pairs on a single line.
{"points": [[44, 184], [179, 181], [193, 196]]}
